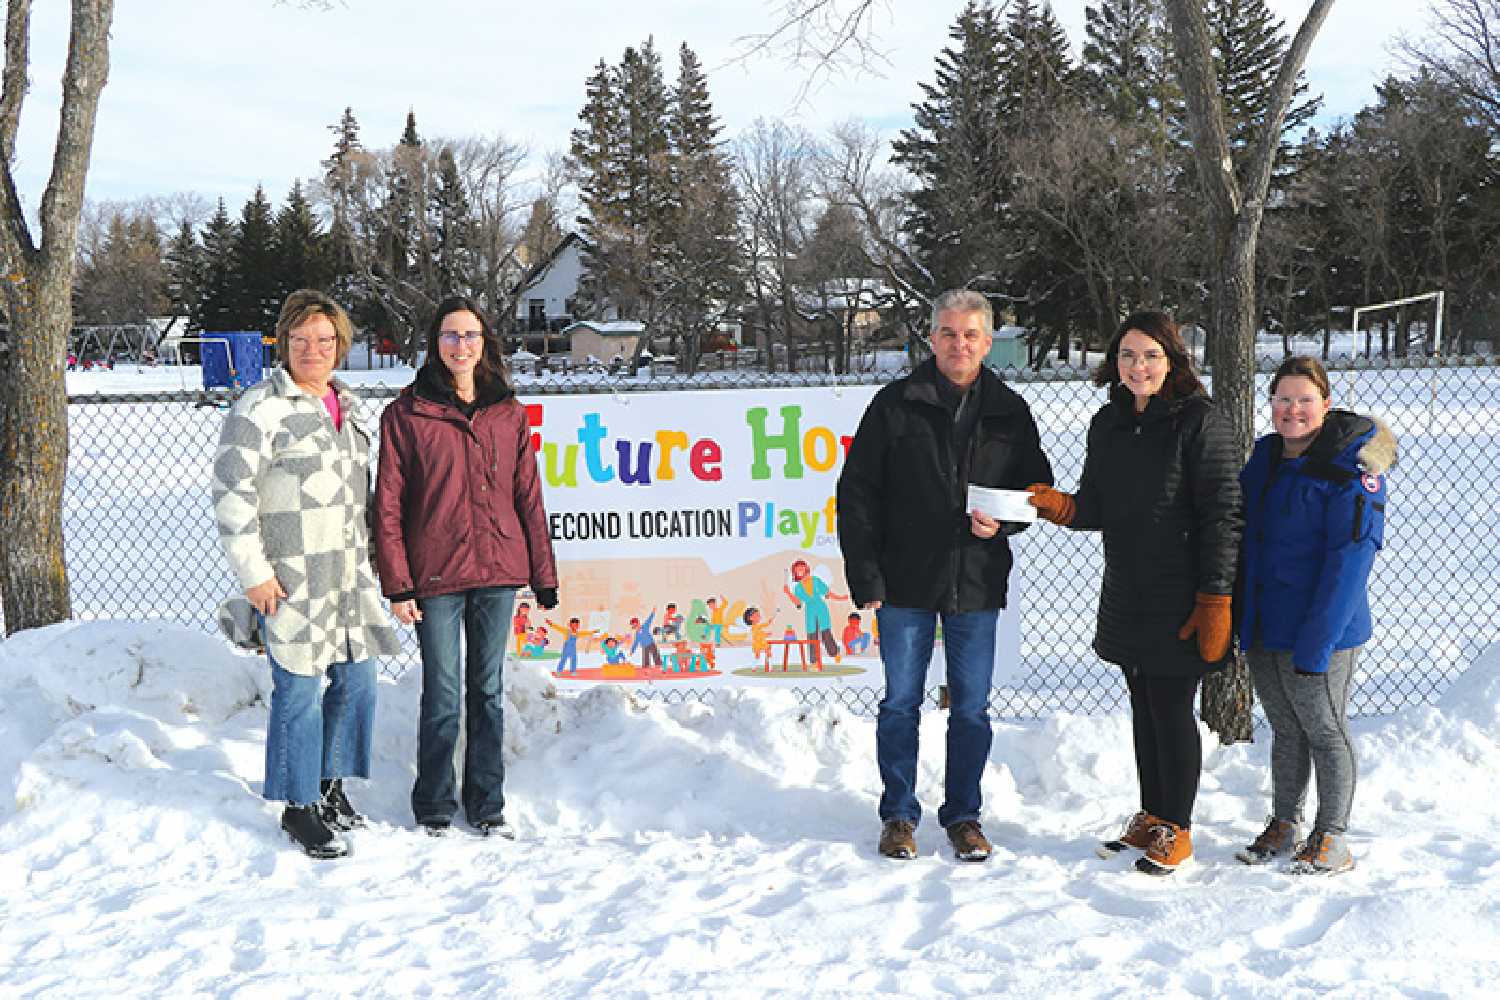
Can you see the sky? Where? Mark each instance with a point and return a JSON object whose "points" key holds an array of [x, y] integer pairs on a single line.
{"points": [[216, 96]]}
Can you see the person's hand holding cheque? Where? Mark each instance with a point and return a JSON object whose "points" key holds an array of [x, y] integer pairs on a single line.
{"points": [[993, 512], [1050, 504]]}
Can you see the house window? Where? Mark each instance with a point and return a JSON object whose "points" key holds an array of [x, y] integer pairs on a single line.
{"points": [[536, 314]]}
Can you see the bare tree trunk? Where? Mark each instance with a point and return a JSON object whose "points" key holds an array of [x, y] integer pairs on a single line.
{"points": [[38, 294], [1236, 217]]}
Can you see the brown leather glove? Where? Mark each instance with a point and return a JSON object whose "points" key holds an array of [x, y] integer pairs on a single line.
{"points": [[1211, 620], [1052, 505]]}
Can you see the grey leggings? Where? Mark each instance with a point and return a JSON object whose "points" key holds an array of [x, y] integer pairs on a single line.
{"points": [[1309, 732]]}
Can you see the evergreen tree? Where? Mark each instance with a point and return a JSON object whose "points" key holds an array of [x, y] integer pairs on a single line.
{"points": [[593, 155], [452, 228], [1249, 44], [299, 248], [623, 158], [541, 234], [338, 181], [256, 269], [1124, 60], [217, 302], [1036, 67], [185, 271], [649, 201], [955, 150], [704, 275]]}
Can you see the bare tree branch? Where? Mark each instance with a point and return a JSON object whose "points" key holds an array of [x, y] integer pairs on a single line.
{"points": [[824, 37]]}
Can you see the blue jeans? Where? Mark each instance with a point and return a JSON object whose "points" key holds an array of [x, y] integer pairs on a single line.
{"points": [[482, 616], [906, 642], [315, 734]]}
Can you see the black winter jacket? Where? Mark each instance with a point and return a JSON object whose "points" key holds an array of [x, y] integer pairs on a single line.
{"points": [[1164, 490], [902, 520]]}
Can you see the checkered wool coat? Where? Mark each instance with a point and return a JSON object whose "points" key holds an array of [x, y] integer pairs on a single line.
{"points": [[290, 497]]}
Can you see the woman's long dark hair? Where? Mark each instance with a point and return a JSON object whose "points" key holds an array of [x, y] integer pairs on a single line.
{"points": [[491, 372], [1181, 380]]}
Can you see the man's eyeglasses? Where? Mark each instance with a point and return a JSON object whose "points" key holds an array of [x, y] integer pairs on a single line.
{"points": [[469, 339]]}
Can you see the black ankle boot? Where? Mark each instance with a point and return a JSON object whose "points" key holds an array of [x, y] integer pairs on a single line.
{"points": [[338, 813], [305, 825]]}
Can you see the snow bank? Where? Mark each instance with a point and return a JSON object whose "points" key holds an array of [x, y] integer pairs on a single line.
{"points": [[723, 848]]}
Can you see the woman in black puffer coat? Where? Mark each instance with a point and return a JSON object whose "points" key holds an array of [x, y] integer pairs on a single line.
{"points": [[1160, 481]]}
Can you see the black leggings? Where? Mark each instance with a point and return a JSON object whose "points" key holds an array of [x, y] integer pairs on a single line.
{"points": [[1168, 753]]}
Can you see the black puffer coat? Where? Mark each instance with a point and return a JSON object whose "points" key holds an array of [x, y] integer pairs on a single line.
{"points": [[1164, 489], [902, 494]]}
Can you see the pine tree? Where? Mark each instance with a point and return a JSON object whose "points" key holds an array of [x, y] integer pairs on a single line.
{"points": [[1124, 60], [593, 154], [955, 150], [1249, 45], [338, 180], [185, 271], [256, 270], [300, 249], [217, 302], [1036, 68], [649, 199], [622, 156], [452, 228], [703, 262]]}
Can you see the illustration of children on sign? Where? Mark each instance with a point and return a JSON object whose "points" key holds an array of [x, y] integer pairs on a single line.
{"points": [[520, 624], [717, 606], [613, 654], [536, 644], [671, 623], [856, 639], [575, 631], [760, 633], [643, 639], [811, 593]]}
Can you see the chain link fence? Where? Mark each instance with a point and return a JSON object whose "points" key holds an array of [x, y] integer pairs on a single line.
{"points": [[141, 542]]}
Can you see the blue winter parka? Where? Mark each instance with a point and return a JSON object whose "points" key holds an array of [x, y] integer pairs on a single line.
{"points": [[1312, 527]]}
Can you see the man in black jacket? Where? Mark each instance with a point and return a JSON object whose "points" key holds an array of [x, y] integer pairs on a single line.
{"points": [[913, 553]]}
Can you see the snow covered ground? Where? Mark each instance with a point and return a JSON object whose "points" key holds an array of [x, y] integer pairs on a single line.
{"points": [[722, 849]]}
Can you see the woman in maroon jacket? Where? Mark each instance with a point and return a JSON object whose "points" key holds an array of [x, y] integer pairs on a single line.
{"points": [[459, 526]]}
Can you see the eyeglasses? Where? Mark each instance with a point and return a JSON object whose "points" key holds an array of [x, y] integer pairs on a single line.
{"points": [[451, 338], [304, 345], [1286, 402], [1129, 359]]}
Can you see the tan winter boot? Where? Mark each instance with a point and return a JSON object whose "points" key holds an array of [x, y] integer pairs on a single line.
{"points": [[1169, 845], [1136, 836]]}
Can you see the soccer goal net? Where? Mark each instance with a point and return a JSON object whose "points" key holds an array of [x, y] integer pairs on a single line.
{"points": [[1412, 326]]}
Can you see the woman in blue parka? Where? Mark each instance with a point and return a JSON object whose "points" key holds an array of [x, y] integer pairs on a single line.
{"points": [[1315, 496]]}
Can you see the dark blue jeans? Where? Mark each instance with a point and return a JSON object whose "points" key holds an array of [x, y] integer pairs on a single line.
{"points": [[482, 617], [906, 642], [317, 733]]}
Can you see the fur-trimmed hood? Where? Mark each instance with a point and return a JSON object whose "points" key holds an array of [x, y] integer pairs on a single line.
{"points": [[1378, 455], [1354, 441]]}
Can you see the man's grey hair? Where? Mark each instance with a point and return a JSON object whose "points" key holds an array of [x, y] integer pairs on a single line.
{"points": [[963, 300]]}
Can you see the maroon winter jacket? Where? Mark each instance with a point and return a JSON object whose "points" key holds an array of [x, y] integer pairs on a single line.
{"points": [[458, 501]]}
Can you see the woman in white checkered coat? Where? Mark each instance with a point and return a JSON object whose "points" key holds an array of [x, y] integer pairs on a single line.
{"points": [[291, 490]]}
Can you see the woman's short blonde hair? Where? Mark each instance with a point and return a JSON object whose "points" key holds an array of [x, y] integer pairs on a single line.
{"points": [[305, 304]]}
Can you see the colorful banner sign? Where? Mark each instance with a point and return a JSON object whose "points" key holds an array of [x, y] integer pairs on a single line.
{"points": [[696, 535]]}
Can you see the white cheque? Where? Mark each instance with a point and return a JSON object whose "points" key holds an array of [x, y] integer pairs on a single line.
{"points": [[1002, 505]]}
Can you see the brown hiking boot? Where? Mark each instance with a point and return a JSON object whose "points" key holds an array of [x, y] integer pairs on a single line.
{"points": [[898, 840], [1168, 846], [968, 840], [1137, 836], [1277, 840]]}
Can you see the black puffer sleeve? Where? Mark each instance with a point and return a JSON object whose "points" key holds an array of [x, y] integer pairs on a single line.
{"points": [[1212, 465]]}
